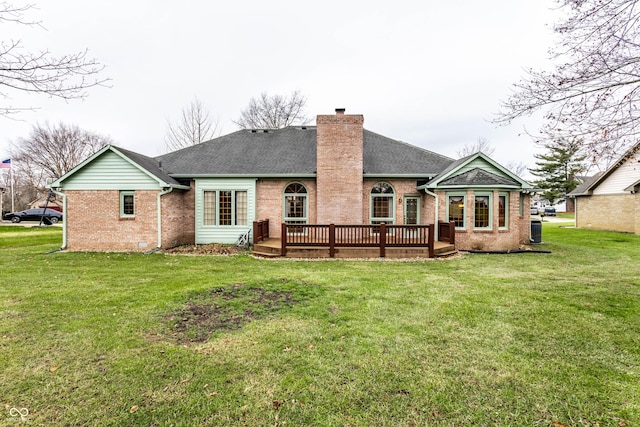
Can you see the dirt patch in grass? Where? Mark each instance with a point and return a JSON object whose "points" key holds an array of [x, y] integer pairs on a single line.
{"points": [[225, 309]]}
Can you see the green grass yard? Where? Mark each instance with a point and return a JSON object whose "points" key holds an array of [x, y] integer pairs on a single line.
{"points": [[115, 339]]}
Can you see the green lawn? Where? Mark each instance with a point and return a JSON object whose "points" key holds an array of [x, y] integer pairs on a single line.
{"points": [[157, 340]]}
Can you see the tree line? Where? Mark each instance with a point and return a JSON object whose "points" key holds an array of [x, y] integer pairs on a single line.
{"points": [[588, 100]]}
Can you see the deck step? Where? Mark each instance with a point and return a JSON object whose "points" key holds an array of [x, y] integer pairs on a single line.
{"points": [[445, 254], [266, 254]]}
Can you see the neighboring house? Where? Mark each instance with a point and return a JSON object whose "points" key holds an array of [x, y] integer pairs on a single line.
{"points": [[335, 172], [611, 200]]}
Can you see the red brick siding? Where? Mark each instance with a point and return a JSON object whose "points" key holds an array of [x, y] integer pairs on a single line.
{"points": [[269, 202], [94, 222], [516, 234], [339, 168], [178, 218], [401, 189]]}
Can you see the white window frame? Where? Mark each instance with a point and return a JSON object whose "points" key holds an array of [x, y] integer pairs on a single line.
{"points": [[391, 197], [124, 194], [216, 207], [305, 196]]}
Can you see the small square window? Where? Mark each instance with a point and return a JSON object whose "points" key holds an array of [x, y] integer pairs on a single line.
{"points": [[127, 204]]}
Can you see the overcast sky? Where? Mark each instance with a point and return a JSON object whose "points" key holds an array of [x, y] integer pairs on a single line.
{"points": [[424, 72]]}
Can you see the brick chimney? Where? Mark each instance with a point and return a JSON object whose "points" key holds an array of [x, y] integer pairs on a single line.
{"points": [[339, 168]]}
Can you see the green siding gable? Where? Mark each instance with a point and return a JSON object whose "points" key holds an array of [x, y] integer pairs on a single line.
{"points": [[481, 164], [109, 171]]}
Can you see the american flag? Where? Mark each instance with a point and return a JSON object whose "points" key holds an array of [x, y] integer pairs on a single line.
{"points": [[6, 164]]}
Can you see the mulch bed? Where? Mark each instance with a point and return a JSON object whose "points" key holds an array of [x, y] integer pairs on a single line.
{"points": [[209, 249]]}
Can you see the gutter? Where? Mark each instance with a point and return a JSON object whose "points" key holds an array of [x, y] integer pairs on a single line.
{"points": [[435, 229], [64, 217], [162, 193]]}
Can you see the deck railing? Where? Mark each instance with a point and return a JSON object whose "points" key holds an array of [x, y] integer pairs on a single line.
{"points": [[447, 232], [370, 236], [260, 230]]}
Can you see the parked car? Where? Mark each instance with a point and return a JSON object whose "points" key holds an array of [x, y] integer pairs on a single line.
{"points": [[534, 210], [49, 216], [549, 211]]}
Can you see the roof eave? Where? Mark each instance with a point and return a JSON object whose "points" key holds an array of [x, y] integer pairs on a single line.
{"points": [[245, 176], [399, 175]]}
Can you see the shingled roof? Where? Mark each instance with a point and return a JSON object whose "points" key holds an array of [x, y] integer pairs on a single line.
{"points": [[292, 151]]}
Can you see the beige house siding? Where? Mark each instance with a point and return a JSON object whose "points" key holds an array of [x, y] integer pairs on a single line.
{"points": [[621, 177], [616, 212]]}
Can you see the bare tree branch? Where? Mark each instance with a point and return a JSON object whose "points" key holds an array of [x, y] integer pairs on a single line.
{"points": [[50, 152], [194, 126], [274, 112], [66, 77], [481, 145], [592, 95]]}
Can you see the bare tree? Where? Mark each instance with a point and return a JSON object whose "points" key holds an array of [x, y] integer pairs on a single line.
{"points": [[481, 145], [67, 76], [50, 152], [518, 168], [593, 93], [274, 112], [194, 126]]}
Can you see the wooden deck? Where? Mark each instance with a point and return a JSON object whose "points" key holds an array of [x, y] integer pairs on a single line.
{"points": [[272, 247], [354, 241]]}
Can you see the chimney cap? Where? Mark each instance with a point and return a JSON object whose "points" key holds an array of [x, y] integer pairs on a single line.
{"points": [[340, 110]]}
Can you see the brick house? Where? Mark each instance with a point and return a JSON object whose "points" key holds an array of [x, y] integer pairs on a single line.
{"points": [[611, 200], [336, 172]]}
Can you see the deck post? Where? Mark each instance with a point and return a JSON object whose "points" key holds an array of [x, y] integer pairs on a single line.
{"points": [[452, 233], [332, 240], [383, 239], [255, 232], [431, 239], [283, 239]]}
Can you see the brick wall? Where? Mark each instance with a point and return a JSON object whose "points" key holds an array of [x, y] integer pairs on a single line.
{"points": [[178, 218], [269, 202], [94, 222], [402, 188], [616, 212], [516, 234], [339, 168]]}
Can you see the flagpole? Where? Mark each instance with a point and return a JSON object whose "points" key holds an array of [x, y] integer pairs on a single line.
{"points": [[11, 179]]}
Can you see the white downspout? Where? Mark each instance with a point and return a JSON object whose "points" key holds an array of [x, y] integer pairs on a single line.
{"points": [[436, 215], [162, 193], [64, 218]]}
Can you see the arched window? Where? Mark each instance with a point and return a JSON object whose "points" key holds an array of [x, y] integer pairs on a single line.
{"points": [[295, 204], [382, 203]]}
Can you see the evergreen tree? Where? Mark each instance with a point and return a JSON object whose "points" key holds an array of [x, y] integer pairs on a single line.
{"points": [[558, 168]]}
